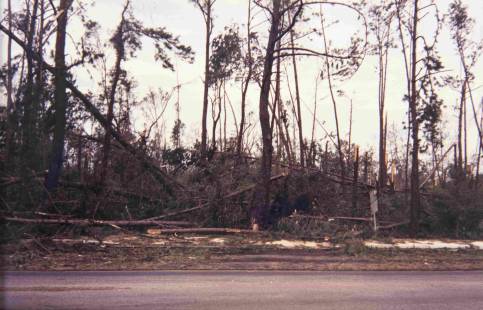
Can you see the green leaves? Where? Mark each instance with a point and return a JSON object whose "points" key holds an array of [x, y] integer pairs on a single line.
{"points": [[226, 54], [128, 37]]}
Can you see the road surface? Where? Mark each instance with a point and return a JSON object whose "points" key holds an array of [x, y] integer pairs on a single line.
{"points": [[242, 290]]}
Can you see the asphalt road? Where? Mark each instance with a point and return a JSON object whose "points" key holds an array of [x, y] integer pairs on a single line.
{"points": [[242, 290]]}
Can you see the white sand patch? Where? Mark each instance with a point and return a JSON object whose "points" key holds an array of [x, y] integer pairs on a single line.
{"points": [[477, 244], [110, 242], [218, 240], [423, 244], [291, 244], [431, 244], [90, 241], [378, 245]]}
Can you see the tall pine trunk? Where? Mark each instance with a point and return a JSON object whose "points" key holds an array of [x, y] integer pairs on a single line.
{"points": [[261, 194], [297, 99], [413, 106], [245, 83], [209, 26], [60, 100], [11, 109]]}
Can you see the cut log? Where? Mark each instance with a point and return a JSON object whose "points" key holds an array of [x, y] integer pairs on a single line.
{"points": [[202, 230]]}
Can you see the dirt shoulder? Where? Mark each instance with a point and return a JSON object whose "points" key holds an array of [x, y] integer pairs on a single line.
{"points": [[127, 252]]}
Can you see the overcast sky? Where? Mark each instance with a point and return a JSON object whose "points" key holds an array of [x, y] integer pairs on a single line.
{"points": [[182, 18]]}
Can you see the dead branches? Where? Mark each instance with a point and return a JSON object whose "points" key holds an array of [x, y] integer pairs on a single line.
{"points": [[230, 195]]}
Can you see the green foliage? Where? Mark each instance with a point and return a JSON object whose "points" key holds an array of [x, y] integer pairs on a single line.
{"points": [[127, 39], [226, 55], [456, 211]]}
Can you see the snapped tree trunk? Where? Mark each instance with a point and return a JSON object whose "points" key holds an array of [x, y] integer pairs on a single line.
{"points": [[460, 131]]}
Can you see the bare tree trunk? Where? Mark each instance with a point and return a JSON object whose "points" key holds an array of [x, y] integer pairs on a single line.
{"points": [[216, 115], [60, 97], [460, 172], [209, 28], [224, 117], [245, 83], [312, 140], [261, 194], [11, 109], [408, 85], [415, 199], [79, 159], [366, 167], [334, 104], [297, 99], [382, 126], [349, 147]]}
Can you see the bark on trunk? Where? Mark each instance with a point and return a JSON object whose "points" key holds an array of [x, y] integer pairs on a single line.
{"points": [[460, 131], [60, 97], [11, 109], [261, 195], [245, 83], [297, 99], [208, 25], [415, 198]]}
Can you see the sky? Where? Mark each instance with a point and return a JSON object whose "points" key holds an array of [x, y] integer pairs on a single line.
{"points": [[182, 18]]}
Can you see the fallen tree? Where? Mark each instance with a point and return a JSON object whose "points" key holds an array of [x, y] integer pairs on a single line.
{"points": [[162, 178], [204, 230]]}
